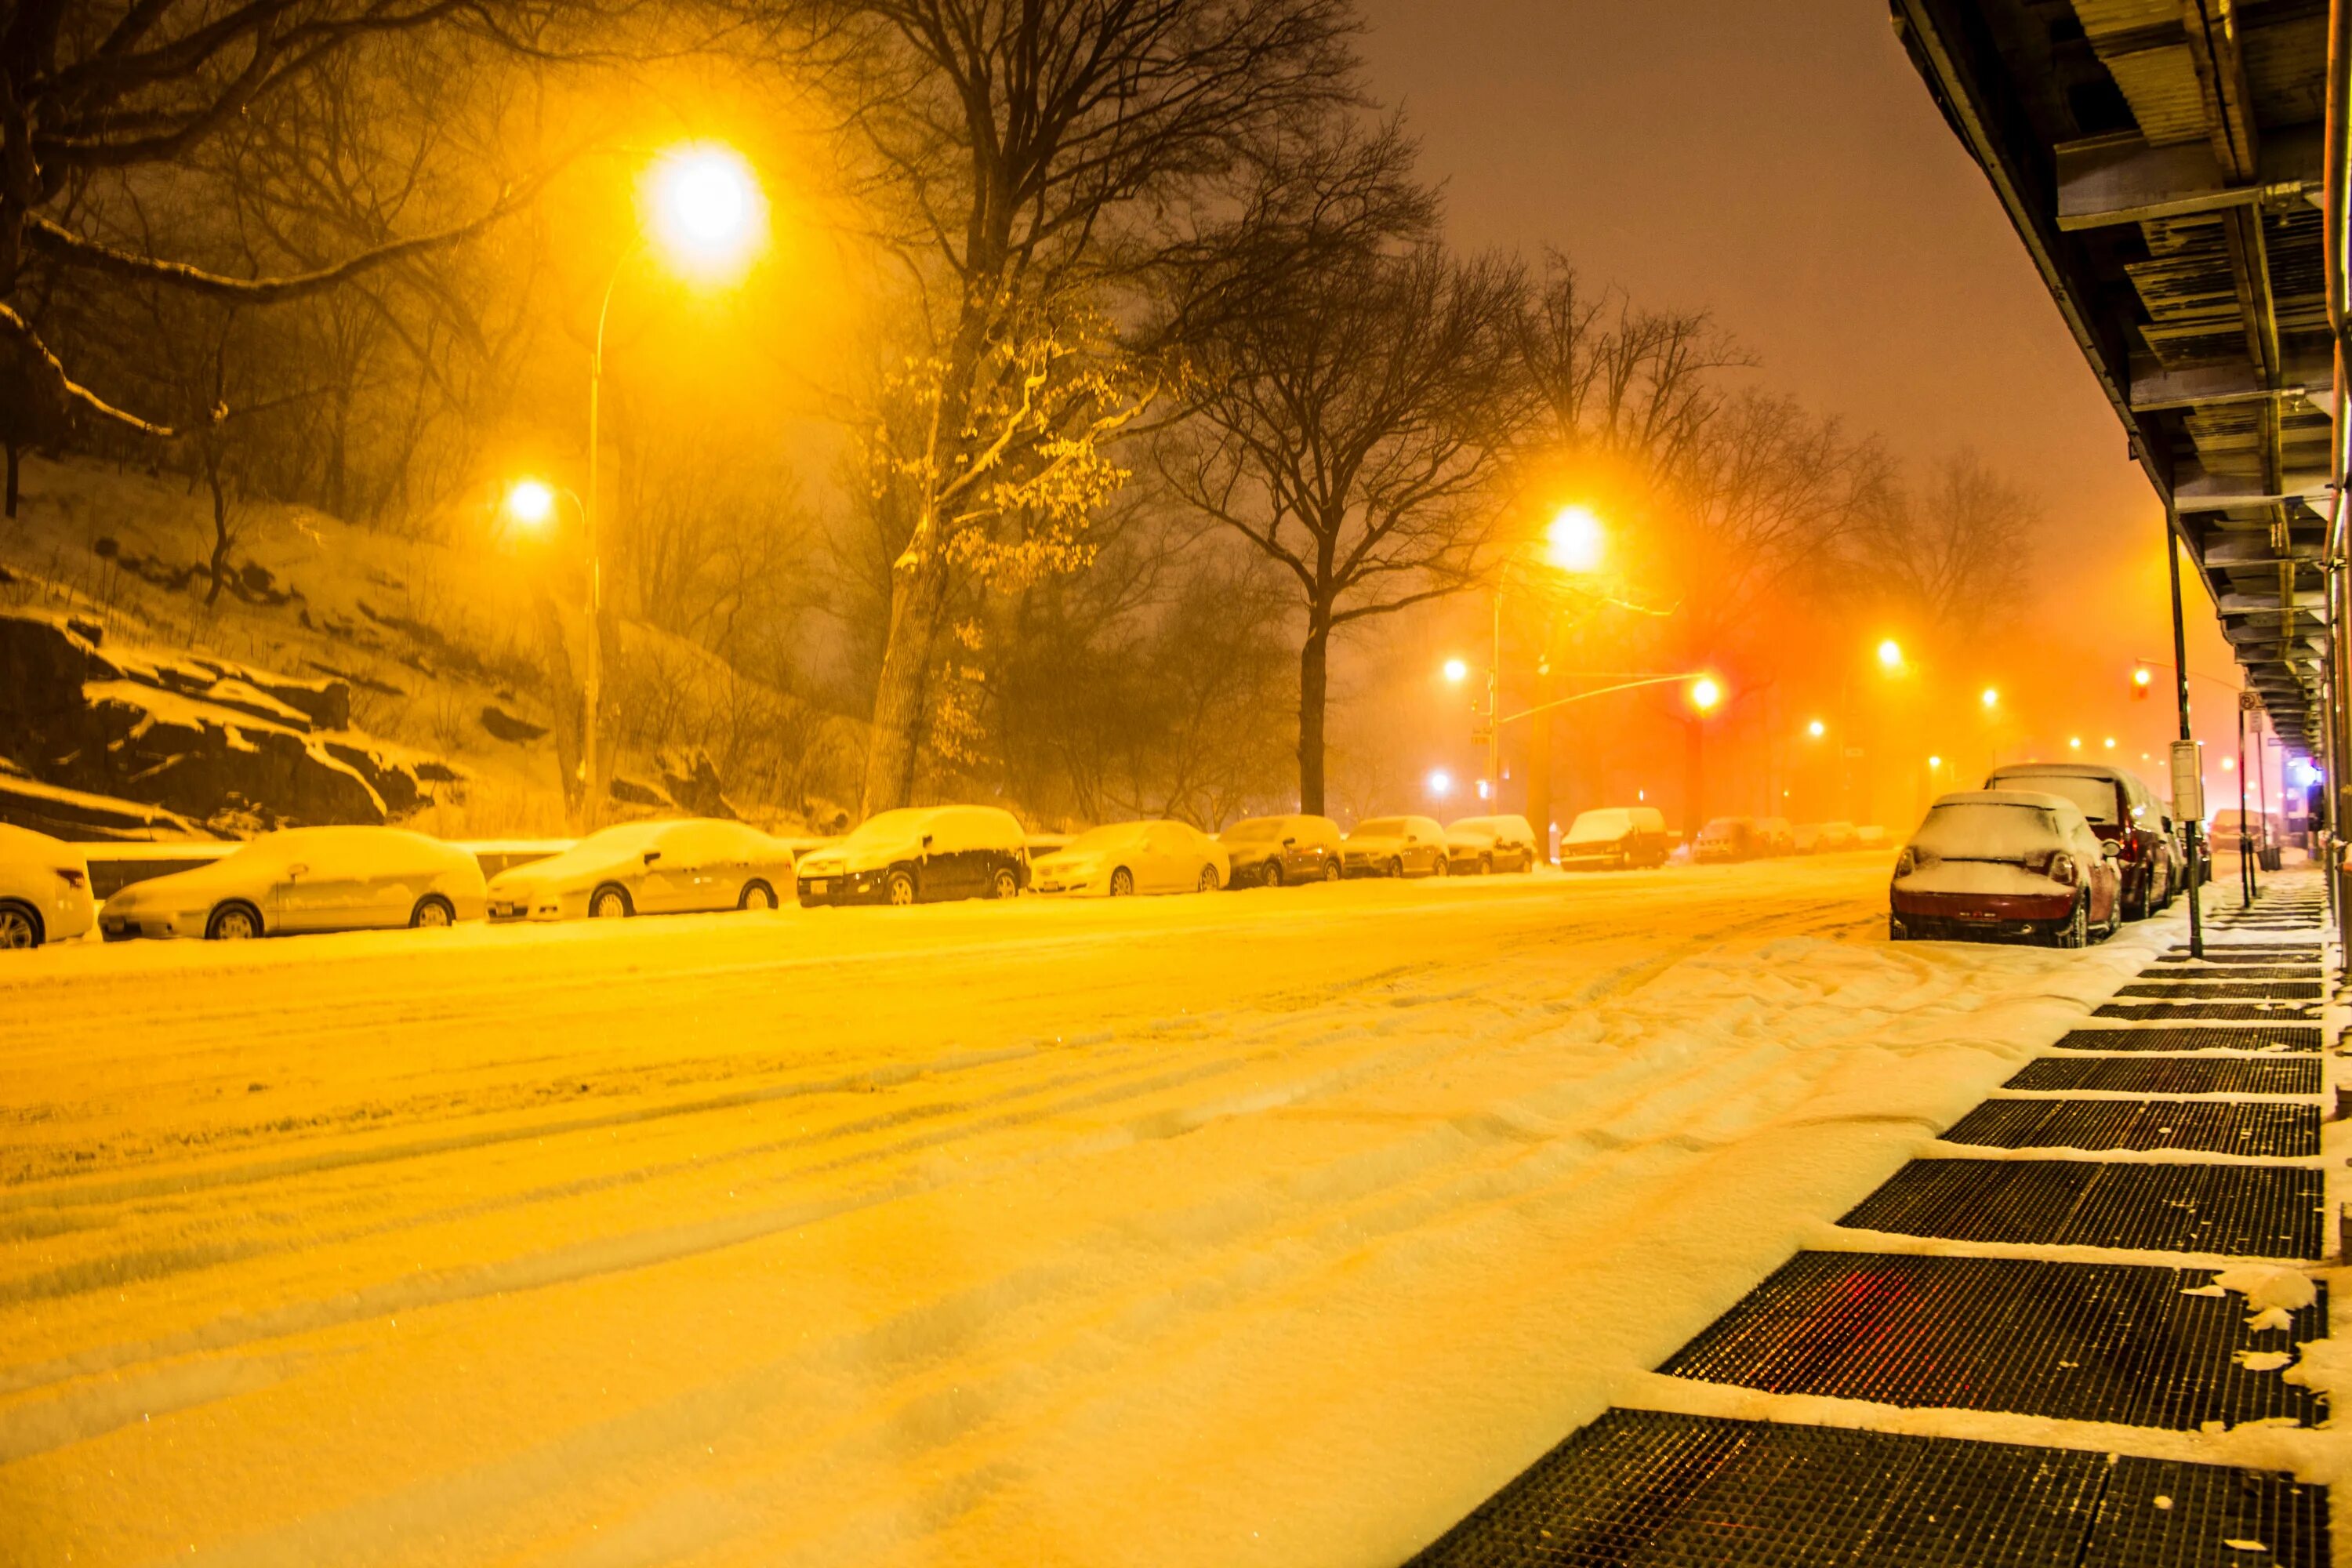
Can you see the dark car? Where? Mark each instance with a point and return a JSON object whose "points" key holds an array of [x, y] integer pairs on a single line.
{"points": [[1268, 851], [2006, 864], [2121, 810], [921, 855], [1615, 838], [1727, 839]]}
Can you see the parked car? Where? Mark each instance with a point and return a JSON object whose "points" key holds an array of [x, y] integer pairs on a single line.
{"points": [[1395, 847], [1489, 844], [1126, 858], [1805, 838], [1616, 839], [1268, 851], [920, 854], [2233, 829], [44, 889], [2006, 863], [1869, 836], [306, 879], [1774, 835], [648, 868], [1725, 840], [2119, 808], [1835, 838]]}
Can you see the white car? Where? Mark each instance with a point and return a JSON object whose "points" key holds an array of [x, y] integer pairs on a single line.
{"points": [[648, 868], [1395, 847], [306, 879], [1491, 844], [1132, 857], [44, 889]]}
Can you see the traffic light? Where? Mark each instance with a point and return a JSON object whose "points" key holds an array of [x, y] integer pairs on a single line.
{"points": [[2143, 682]]}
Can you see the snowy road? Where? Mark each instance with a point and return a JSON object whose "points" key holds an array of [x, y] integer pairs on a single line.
{"points": [[1277, 1228]]}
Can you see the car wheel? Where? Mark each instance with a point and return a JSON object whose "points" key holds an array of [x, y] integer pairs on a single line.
{"points": [[1208, 883], [1272, 876], [610, 903], [902, 887], [1122, 883], [2076, 932], [19, 927], [1005, 885], [1396, 868], [1895, 931], [1486, 864], [1331, 872], [233, 922], [1443, 867], [432, 911], [757, 896]]}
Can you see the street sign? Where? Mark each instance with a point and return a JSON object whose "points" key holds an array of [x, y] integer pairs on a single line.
{"points": [[2187, 781], [2250, 701]]}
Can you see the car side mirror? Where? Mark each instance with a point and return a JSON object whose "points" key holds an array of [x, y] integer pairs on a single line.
{"points": [[2111, 850], [1290, 843], [292, 871], [927, 843], [651, 856]]}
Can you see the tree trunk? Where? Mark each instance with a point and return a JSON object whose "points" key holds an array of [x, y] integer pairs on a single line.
{"points": [[564, 700], [1314, 684], [221, 539], [16, 455], [1540, 806], [918, 597], [1694, 780]]}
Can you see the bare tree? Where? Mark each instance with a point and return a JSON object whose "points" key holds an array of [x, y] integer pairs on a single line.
{"points": [[1351, 402], [1955, 555], [1628, 383], [1024, 146]]}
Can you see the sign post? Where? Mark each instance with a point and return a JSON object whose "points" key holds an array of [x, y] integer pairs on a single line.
{"points": [[2189, 809]]}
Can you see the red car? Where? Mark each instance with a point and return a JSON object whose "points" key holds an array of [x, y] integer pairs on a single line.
{"points": [[2001, 864]]}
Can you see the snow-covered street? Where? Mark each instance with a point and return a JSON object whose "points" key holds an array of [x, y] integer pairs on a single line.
{"points": [[1277, 1228]]}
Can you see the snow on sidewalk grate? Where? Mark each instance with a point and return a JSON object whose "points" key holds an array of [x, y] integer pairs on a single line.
{"points": [[2082, 1342], [2157, 1037], [2219, 990], [2272, 1130], [1697, 1491], [2175, 1075], [2247, 953], [2235, 1210], [2211, 1012]]}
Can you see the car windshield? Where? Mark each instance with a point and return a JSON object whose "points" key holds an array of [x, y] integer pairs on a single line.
{"points": [[890, 827], [1380, 828], [1116, 836], [1722, 828], [1255, 829], [2095, 796], [1987, 831], [624, 838], [1601, 824]]}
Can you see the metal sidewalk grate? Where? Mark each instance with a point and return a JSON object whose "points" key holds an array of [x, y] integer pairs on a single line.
{"points": [[2234, 972], [2212, 1012], [2239, 1211], [2250, 952], [2081, 1341], [2265, 1037], [2219, 990], [2175, 1075], [2272, 1130], [1694, 1491]]}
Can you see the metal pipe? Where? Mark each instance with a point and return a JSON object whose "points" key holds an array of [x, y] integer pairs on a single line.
{"points": [[2180, 684], [2336, 167]]}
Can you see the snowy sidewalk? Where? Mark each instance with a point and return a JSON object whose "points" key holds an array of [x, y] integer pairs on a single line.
{"points": [[2090, 1328]]}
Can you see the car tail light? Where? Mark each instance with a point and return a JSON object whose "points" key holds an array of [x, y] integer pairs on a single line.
{"points": [[1907, 862], [70, 878]]}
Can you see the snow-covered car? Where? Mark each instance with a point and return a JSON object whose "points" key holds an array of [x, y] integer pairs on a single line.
{"points": [[1727, 839], [1774, 835], [1835, 838], [648, 868], [1126, 858], [2121, 808], [1268, 851], [1489, 844], [1615, 838], [44, 889], [1395, 847], [306, 879], [2006, 863], [921, 855]]}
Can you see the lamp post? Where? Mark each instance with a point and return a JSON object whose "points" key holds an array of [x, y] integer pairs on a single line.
{"points": [[706, 215]]}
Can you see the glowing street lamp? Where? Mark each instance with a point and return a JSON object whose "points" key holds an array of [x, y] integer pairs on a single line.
{"points": [[1456, 671], [1991, 697], [1817, 729], [705, 213], [1575, 541], [531, 503], [2073, 742], [1890, 654], [1441, 783], [1706, 694]]}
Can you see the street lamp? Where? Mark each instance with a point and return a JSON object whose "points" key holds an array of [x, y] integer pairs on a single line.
{"points": [[705, 213], [1890, 654], [1441, 783], [531, 503], [1817, 729], [1991, 697], [1575, 541], [1456, 671], [1706, 693]]}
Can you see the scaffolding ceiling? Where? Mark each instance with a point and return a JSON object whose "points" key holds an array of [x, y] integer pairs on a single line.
{"points": [[2161, 160]]}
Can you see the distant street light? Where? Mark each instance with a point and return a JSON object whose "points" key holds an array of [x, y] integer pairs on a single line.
{"points": [[2073, 742], [1456, 671], [2109, 742], [1441, 783], [1991, 696], [531, 503], [1705, 694], [1935, 763], [708, 217], [1817, 729]]}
